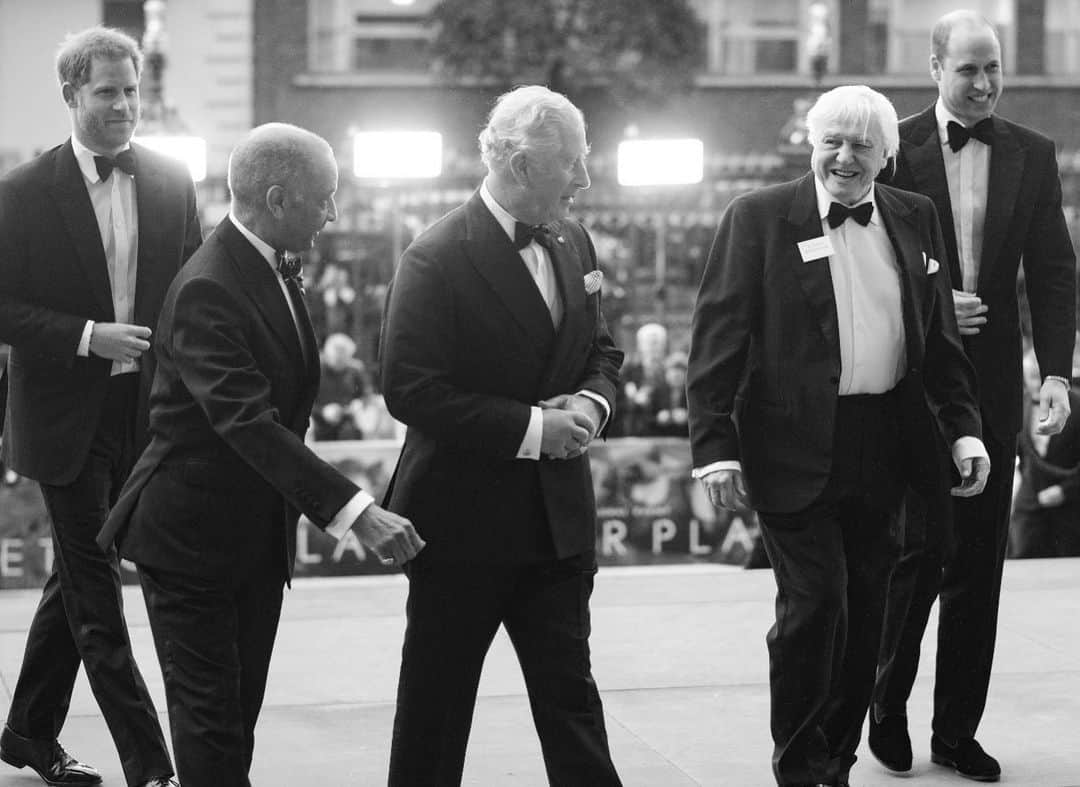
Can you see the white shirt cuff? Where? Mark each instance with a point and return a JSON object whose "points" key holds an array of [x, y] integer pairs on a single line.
{"points": [[344, 518], [530, 445], [603, 406], [968, 447], [83, 350], [725, 464]]}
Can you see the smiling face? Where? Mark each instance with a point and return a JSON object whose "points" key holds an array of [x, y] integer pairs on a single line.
{"points": [[105, 110], [310, 205], [847, 158], [969, 74]]}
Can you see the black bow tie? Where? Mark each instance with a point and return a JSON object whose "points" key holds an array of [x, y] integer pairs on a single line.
{"points": [[124, 161], [959, 135], [289, 267], [524, 234], [861, 213]]}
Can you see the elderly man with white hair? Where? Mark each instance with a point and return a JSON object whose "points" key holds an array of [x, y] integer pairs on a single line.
{"points": [[824, 323], [496, 357]]}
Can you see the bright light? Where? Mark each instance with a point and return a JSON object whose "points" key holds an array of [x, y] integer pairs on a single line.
{"points": [[389, 155], [189, 150], [402, 2], [660, 162]]}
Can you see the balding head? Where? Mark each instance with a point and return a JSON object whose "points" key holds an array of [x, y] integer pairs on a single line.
{"points": [[282, 179], [963, 19]]}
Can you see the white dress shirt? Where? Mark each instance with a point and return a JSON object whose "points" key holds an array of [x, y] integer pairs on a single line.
{"points": [[967, 172], [344, 518], [538, 263], [118, 222]]}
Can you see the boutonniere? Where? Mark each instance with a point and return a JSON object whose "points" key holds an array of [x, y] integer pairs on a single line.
{"points": [[291, 269], [593, 280]]}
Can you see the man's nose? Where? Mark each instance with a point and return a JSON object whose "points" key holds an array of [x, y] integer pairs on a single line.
{"points": [[846, 152], [982, 81], [581, 175], [331, 213]]}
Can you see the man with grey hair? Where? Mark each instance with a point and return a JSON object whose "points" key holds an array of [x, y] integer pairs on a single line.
{"points": [[91, 234], [496, 357], [823, 323], [210, 512], [996, 187]]}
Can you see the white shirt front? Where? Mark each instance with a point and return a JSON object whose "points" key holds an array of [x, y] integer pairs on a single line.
{"points": [[967, 172], [115, 208]]}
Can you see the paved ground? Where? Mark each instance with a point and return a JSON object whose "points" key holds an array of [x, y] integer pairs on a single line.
{"points": [[680, 658]]}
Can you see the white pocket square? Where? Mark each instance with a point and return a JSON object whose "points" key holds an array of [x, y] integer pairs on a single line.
{"points": [[931, 266], [593, 280]]}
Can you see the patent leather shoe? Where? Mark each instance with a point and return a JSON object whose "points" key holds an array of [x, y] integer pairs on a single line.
{"points": [[47, 758]]}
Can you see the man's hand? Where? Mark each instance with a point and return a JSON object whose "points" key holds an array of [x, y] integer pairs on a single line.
{"points": [[726, 489], [578, 404], [1054, 407], [1051, 497], [970, 312], [391, 537], [118, 341], [973, 474], [565, 432]]}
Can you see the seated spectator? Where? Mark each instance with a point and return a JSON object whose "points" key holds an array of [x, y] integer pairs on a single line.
{"points": [[1046, 507], [344, 386], [642, 377], [669, 400]]}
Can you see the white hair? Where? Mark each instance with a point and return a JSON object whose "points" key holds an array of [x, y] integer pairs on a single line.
{"points": [[530, 119], [858, 106]]}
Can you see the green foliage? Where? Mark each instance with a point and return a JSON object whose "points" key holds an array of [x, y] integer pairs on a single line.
{"points": [[639, 50]]}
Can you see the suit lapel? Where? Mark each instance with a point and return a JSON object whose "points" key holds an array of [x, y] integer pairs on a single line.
{"points": [[814, 277], [73, 201], [150, 199], [493, 255], [901, 224], [263, 290], [1003, 185], [565, 260], [926, 165]]}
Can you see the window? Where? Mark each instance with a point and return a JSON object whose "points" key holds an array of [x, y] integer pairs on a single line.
{"points": [[910, 23], [754, 37], [388, 36], [1062, 36]]}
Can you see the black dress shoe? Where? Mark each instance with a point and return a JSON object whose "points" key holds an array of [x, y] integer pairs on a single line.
{"points": [[161, 781], [966, 757], [54, 765], [890, 743]]}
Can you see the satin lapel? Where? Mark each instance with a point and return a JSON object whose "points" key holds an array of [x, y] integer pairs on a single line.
{"points": [[901, 224], [311, 378], [263, 290], [493, 255], [814, 276], [73, 201], [922, 150], [1003, 185], [570, 277], [150, 199]]}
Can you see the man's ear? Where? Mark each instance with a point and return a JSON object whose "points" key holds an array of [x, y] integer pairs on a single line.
{"points": [[275, 201], [519, 167], [935, 68], [68, 91]]}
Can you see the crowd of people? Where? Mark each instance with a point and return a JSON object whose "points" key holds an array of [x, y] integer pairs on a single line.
{"points": [[853, 376]]}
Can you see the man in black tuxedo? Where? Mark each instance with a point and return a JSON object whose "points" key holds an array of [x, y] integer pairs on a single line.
{"points": [[996, 188], [91, 234], [496, 357], [209, 514], [823, 322]]}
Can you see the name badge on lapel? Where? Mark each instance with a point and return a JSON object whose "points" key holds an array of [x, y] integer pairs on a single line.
{"points": [[816, 248]]}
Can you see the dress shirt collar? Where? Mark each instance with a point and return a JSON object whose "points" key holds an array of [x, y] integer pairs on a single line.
{"points": [[943, 116], [506, 221], [261, 246], [825, 199], [85, 158]]}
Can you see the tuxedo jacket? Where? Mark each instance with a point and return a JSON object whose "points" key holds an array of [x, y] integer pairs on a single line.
{"points": [[468, 346], [764, 367], [54, 277], [228, 413], [1024, 222]]}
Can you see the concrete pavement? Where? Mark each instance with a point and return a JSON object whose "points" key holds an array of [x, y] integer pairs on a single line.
{"points": [[680, 659]]}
